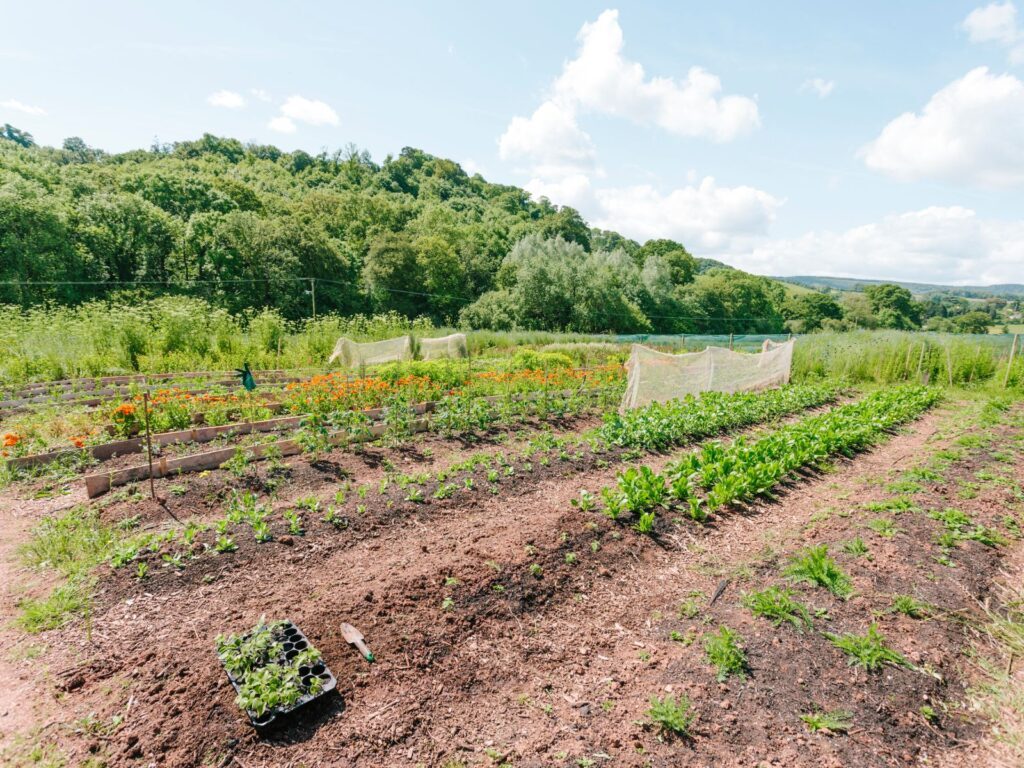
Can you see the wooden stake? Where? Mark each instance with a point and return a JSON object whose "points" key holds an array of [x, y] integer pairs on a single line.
{"points": [[949, 365], [149, 445], [920, 360], [1009, 365]]}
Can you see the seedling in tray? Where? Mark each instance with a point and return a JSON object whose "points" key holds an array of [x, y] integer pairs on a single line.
{"points": [[274, 669]]}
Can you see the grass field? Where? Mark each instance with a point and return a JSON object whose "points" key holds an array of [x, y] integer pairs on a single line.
{"points": [[820, 574]]}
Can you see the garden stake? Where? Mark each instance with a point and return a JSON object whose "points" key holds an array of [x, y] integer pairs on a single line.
{"points": [[354, 637], [1009, 365], [149, 445]]}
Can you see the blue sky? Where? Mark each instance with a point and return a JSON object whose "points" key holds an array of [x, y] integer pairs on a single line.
{"points": [[874, 139]]}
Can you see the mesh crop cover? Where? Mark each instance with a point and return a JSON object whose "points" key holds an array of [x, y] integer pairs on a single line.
{"points": [[446, 346], [354, 355], [656, 376]]}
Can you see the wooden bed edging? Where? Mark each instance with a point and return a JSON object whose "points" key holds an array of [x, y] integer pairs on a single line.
{"points": [[98, 484], [101, 482]]}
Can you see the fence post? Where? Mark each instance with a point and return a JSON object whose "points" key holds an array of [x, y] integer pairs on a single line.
{"points": [[730, 342], [1009, 364], [149, 444], [312, 294], [949, 364]]}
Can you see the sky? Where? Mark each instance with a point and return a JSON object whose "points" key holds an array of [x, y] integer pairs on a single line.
{"points": [[870, 139]]}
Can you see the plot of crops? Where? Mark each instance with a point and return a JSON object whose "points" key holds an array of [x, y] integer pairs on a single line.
{"points": [[489, 562]]}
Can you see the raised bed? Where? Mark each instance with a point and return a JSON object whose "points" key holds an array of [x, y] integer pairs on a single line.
{"points": [[101, 482]]}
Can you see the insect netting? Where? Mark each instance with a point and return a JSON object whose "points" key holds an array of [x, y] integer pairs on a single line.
{"points": [[453, 346], [657, 377], [354, 355]]}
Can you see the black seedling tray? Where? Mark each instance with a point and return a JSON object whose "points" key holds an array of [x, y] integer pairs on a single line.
{"points": [[294, 641]]}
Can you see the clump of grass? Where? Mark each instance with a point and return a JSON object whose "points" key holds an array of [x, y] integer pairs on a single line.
{"points": [[814, 566], [909, 606], [56, 609], [869, 651], [725, 654], [778, 605], [672, 715], [836, 721], [72, 543]]}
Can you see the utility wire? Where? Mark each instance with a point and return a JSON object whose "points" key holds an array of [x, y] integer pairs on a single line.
{"points": [[185, 283]]}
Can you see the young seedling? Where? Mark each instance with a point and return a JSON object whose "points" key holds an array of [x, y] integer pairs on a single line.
{"points": [[672, 715], [836, 721], [725, 654], [333, 518], [856, 547], [778, 605], [884, 527], [909, 606], [814, 566], [224, 544], [868, 651]]}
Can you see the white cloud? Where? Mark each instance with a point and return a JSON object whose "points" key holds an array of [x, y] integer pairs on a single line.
{"points": [[601, 80], [282, 124], [311, 111], [970, 132], [260, 94], [18, 106], [550, 138], [997, 23], [707, 217], [819, 86], [947, 245], [226, 99]]}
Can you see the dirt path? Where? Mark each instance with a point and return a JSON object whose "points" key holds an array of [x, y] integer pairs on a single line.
{"points": [[21, 706]]}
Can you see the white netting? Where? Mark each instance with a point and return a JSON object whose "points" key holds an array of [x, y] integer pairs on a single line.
{"points": [[353, 354], [657, 377], [446, 346]]}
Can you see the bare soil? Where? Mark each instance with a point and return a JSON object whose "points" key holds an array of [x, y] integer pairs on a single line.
{"points": [[483, 662]]}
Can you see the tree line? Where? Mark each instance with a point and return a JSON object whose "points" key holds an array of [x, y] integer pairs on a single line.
{"points": [[238, 225]]}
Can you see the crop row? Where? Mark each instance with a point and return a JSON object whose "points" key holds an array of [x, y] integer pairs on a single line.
{"points": [[482, 472], [174, 409], [659, 426], [718, 476]]}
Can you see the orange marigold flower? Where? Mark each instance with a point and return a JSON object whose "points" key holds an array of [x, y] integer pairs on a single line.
{"points": [[11, 439], [78, 442], [125, 409]]}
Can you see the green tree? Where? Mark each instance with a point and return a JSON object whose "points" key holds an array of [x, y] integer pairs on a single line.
{"points": [[394, 277], [893, 306], [18, 136], [973, 322], [807, 312]]}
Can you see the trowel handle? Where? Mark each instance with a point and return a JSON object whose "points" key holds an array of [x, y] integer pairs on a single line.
{"points": [[363, 649]]}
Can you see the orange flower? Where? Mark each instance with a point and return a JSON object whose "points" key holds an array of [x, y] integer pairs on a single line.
{"points": [[125, 409], [11, 439], [78, 442]]}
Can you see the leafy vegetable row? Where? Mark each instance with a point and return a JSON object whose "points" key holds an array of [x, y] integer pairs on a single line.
{"points": [[659, 426], [717, 475]]}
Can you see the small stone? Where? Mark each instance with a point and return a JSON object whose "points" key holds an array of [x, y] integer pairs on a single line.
{"points": [[725, 704], [287, 540]]}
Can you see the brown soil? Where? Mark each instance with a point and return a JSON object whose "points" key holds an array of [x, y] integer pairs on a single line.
{"points": [[530, 670]]}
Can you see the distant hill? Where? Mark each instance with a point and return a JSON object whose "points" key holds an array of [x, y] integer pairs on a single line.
{"points": [[822, 282]]}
